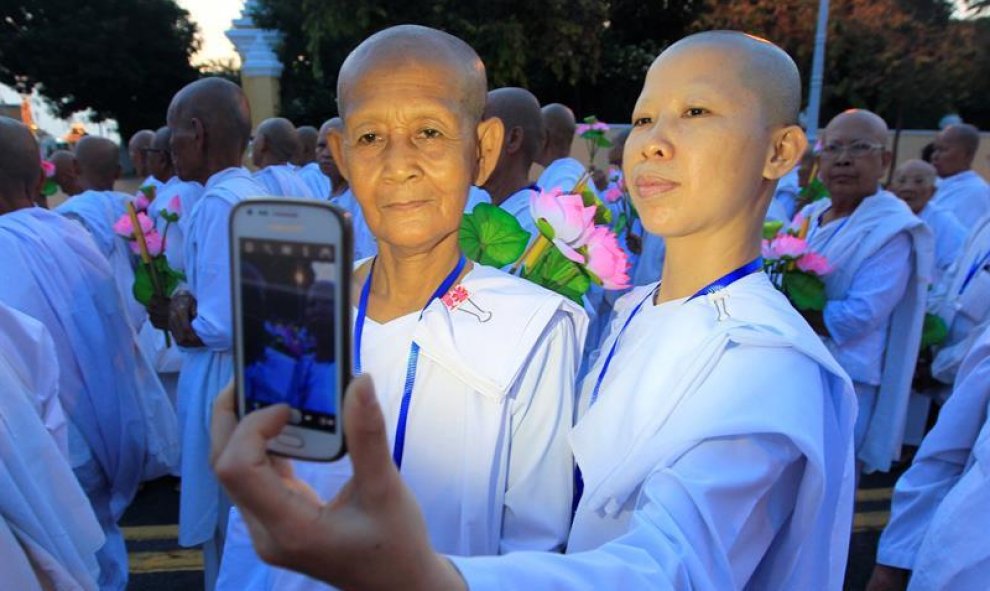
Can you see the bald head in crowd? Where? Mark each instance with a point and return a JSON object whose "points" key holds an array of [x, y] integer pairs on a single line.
{"points": [[20, 167], [914, 182], [136, 149], [275, 142], [854, 156], [66, 172], [559, 122], [307, 135], [99, 163], [210, 121], [955, 149], [160, 158], [325, 158], [522, 120]]}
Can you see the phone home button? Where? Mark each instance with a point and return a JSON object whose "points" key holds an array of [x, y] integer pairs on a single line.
{"points": [[289, 440]]}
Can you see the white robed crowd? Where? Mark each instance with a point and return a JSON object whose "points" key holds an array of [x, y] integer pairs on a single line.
{"points": [[93, 402]]}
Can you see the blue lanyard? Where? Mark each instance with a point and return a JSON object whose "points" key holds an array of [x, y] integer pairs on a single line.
{"points": [[410, 382], [977, 265], [719, 284]]}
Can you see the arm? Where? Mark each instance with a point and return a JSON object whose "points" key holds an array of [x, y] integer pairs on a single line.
{"points": [[876, 289], [537, 506]]}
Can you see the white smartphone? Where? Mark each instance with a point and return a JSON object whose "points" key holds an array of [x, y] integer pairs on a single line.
{"points": [[290, 272]]}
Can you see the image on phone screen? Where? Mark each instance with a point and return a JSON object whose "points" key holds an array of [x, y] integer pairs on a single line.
{"points": [[287, 308]]}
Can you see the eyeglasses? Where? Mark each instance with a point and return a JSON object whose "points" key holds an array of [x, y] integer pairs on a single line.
{"points": [[855, 150]]}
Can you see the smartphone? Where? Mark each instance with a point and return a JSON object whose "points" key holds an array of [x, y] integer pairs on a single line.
{"points": [[290, 271]]}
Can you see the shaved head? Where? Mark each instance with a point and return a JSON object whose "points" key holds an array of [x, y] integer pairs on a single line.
{"points": [[917, 167], [162, 138], [307, 135], [210, 121], [914, 182], [408, 46], [964, 135], [865, 124], [141, 139], [136, 149], [559, 122], [763, 68], [275, 142], [99, 163], [159, 159], [518, 109], [20, 167], [325, 159], [66, 172]]}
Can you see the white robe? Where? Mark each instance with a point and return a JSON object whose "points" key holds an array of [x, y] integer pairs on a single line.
{"points": [[966, 195], [48, 532], [365, 243], [98, 211], [319, 184], [562, 173], [122, 427], [939, 517], [718, 456], [151, 181], [949, 237], [882, 257], [486, 449], [282, 180], [518, 205], [206, 370], [963, 305], [475, 196]]}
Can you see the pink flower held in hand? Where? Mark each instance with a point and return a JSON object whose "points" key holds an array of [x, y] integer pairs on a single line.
{"points": [[767, 251], [582, 128], [599, 126], [155, 243], [124, 227], [567, 216], [812, 262], [141, 202], [606, 259], [174, 205], [49, 169], [613, 193], [786, 245]]}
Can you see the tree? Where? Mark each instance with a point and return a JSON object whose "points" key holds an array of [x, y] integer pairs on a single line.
{"points": [[589, 54], [124, 59], [907, 60]]}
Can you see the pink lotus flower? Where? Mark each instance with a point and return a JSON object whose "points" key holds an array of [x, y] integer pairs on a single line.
{"points": [[124, 227], [141, 202], [786, 245], [568, 218], [812, 262], [599, 126], [613, 193], [582, 128], [48, 168], [174, 205], [606, 259], [767, 251], [153, 240]]}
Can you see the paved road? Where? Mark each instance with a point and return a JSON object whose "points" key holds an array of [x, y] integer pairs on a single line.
{"points": [[159, 564]]}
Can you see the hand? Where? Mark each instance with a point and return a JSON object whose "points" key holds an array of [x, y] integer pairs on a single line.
{"points": [[182, 310], [816, 319], [888, 578], [158, 311], [370, 536]]}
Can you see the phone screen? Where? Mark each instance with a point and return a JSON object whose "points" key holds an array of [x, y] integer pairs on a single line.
{"points": [[288, 294]]}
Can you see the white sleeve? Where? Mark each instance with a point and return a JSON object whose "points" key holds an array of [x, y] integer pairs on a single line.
{"points": [[212, 289], [940, 462], [539, 488], [690, 530], [877, 287]]}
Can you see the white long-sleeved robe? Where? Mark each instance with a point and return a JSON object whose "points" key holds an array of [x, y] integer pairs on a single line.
{"points": [[486, 450], [122, 426], [939, 518], [966, 195], [518, 205], [319, 184], [49, 535], [562, 173], [282, 180], [882, 257], [949, 236], [717, 456], [206, 370]]}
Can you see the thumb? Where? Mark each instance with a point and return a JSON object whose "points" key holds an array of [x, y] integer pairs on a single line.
{"points": [[367, 442]]}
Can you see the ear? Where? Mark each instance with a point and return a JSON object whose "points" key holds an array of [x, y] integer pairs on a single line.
{"points": [[335, 141], [199, 135], [491, 132], [513, 139], [787, 146]]}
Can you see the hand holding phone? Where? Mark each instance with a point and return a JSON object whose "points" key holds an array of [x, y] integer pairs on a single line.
{"points": [[291, 274]]}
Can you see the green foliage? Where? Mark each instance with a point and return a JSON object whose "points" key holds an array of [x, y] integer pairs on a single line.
{"points": [[560, 274], [124, 59], [144, 287], [492, 236], [934, 331], [49, 188], [770, 229], [814, 191], [805, 291]]}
